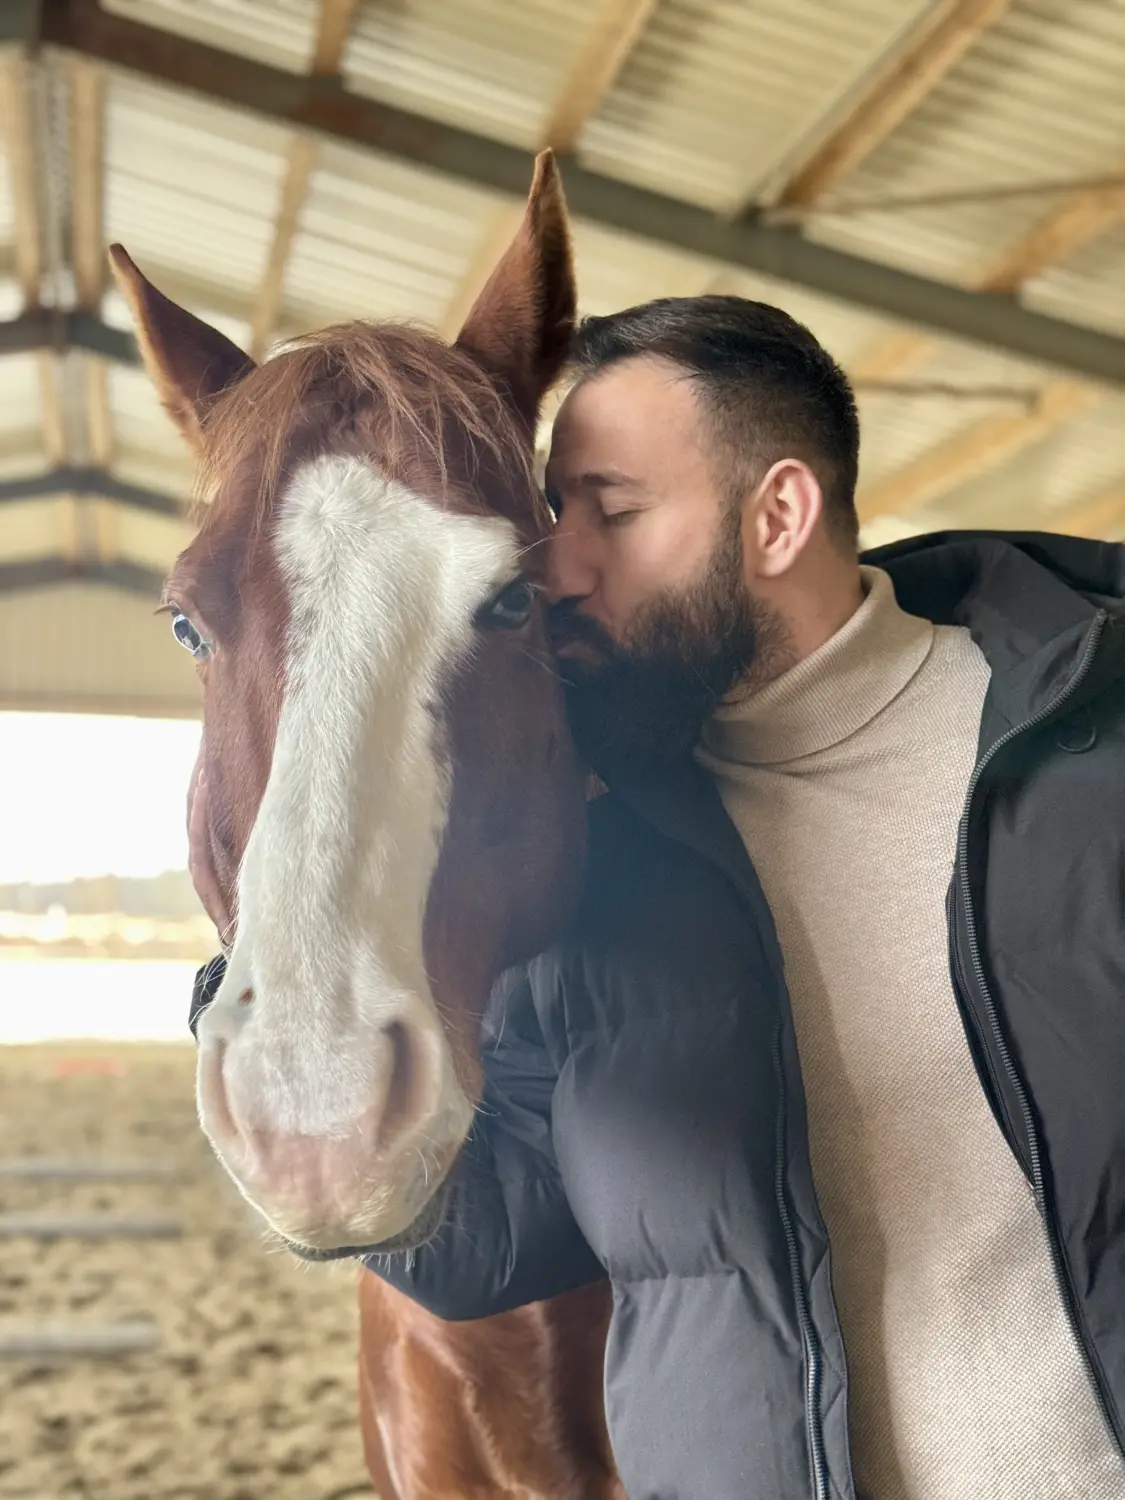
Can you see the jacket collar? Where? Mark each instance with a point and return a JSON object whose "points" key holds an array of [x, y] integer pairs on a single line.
{"points": [[1031, 603], [682, 802], [1029, 600]]}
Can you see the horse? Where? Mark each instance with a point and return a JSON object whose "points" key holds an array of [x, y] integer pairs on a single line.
{"points": [[392, 814]]}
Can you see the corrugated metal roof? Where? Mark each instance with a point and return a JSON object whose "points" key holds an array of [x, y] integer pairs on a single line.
{"points": [[1075, 464], [718, 101], [147, 449], [32, 528], [1039, 99], [899, 429], [21, 415], [86, 646], [491, 66], [192, 191], [7, 208], [845, 332], [379, 239], [279, 32], [11, 297], [1090, 287], [615, 271], [716, 97], [153, 541]]}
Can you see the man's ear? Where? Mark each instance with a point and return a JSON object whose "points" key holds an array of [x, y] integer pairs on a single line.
{"points": [[783, 513], [188, 361]]}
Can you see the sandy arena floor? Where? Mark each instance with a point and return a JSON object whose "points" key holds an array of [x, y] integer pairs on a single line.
{"points": [[251, 1395]]}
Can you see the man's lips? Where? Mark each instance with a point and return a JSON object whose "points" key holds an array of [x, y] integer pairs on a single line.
{"points": [[575, 638], [571, 648]]}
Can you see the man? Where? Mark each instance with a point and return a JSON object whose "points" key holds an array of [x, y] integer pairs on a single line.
{"points": [[871, 816]]}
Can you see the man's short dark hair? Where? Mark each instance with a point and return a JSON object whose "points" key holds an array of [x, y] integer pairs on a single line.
{"points": [[770, 389]]}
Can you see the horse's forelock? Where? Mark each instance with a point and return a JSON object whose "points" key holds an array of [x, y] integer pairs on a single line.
{"points": [[428, 409]]}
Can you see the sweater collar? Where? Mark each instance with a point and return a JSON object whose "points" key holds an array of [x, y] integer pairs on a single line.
{"points": [[830, 695]]}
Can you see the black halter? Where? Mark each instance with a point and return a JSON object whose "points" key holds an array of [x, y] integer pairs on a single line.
{"points": [[206, 987]]}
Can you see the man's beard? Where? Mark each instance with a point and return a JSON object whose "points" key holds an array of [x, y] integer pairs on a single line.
{"points": [[643, 703]]}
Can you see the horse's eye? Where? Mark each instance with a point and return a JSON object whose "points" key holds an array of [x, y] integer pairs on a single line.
{"points": [[187, 635], [512, 607]]}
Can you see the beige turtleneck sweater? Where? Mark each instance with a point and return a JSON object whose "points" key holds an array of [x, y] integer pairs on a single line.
{"points": [[846, 778]]}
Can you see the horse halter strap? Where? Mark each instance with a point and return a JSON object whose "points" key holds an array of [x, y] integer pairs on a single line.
{"points": [[205, 988]]}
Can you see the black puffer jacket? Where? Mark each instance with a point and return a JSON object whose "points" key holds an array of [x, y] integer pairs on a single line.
{"points": [[647, 1114]]}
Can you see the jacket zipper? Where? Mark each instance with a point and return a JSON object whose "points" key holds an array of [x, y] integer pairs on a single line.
{"points": [[1062, 1275], [813, 1424], [986, 1068]]}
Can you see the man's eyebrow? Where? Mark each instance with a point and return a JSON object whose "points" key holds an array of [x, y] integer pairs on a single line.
{"points": [[600, 480]]}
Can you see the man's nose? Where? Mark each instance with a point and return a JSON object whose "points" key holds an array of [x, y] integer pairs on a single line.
{"points": [[572, 571]]}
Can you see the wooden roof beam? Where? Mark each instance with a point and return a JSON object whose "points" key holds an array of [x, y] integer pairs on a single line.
{"points": [[300, 163], [333, 29], [1086, 214], [596, 69], [18, 120], [897, 89], [893, 357], [498, 233], [335, 22], [19, 80], [87, 157], [96, 524], [84, 27], [979, 447], [1101, 518]]}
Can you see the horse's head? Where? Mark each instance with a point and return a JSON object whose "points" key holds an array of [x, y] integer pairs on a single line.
{"points": [[393, 809]]}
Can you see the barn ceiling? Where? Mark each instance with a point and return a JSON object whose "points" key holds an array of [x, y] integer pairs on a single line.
{"points": [[937, 189]]}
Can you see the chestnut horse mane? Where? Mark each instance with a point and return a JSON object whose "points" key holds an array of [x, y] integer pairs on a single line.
{"points": [[428, 407]]}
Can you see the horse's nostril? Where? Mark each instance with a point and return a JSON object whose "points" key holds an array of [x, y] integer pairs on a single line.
{"points": [[246, 996], [401, 1103]]}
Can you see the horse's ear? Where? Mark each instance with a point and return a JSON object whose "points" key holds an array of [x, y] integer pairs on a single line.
{"points": [[188, 361], [520, 326]]}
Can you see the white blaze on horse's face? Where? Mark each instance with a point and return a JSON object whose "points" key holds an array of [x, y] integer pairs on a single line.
{"points": [[392, 819], [326, 1007]]}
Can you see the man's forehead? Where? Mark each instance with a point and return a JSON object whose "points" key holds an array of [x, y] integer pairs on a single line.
{"points": [[621, 402]]}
